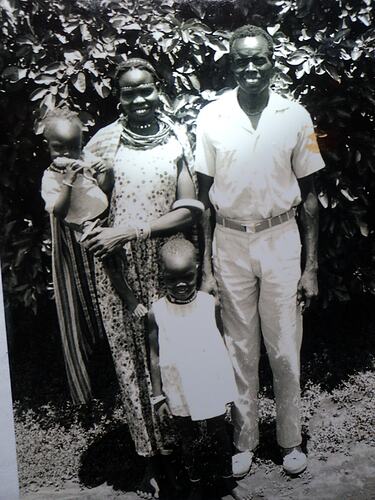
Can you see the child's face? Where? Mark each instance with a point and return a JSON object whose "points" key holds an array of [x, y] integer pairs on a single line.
{"points": [[180, 275], [65, 140]]}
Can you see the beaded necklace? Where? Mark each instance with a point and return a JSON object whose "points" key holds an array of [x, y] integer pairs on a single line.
{"points": [[138, 141], [178, 301]]}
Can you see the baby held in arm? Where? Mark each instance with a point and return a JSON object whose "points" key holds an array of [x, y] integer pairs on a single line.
{"points": [[76, 187]]}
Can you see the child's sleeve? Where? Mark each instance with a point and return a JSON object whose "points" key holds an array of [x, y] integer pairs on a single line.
{"points": [[51, 186]]}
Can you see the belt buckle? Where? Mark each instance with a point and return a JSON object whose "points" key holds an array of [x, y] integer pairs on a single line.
{"points": [[248, 229]]}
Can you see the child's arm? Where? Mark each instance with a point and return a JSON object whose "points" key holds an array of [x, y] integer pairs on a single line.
{"points": [[114, 267], [62, 203], [158, 399], [153, 343]]}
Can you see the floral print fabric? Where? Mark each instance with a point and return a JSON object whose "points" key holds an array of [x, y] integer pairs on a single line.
{"points": [[145, 189]]}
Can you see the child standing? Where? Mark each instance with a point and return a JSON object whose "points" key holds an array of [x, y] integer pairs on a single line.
{"points": [[192, 378]]}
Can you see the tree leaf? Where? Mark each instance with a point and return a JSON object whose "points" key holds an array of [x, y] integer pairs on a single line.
{"points": [[323, 198], [72, 56], [14, 74], [331, 70], [102, 89], [38, 94], [79, 82], [298, 57], [363, 227], [194, 81], [45, 79], [53, 68], [273, 29]]}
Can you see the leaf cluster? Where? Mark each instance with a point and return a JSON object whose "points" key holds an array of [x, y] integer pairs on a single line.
{"points": [[54, 53]]}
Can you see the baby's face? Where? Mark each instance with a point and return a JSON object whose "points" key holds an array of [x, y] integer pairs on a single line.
{"points": [[65, 140], [180, 274]]}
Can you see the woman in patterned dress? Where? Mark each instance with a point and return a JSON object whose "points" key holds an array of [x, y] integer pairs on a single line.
{"points": [[153, 197]]}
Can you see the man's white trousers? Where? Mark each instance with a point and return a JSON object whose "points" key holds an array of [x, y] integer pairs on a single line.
{"points": [[257, 276]]}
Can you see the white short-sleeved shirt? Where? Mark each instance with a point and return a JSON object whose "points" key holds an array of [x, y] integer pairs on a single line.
{"points": [[255, 171]]}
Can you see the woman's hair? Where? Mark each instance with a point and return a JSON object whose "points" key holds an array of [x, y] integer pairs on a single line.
{"points": [[58, 115], [248, 30], [135, 63], [177, 246]]}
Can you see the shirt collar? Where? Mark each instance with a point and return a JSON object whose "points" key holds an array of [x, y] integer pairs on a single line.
{"points": [[276, 103]]}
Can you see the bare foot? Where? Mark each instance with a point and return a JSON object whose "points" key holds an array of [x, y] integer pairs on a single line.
{"points": [[237, 491], [196, 493], [148, 487]]}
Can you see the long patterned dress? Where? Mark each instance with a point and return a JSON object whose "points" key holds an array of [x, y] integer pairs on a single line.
{"points": [[76, 300], [145, 189]]}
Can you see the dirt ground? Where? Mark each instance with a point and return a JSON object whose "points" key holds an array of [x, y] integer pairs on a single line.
{"points": [[340, 477], [344, 475], [69, 454]]}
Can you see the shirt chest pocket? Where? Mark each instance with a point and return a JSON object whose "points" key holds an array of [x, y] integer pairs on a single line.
{"points": [[277, 149]]}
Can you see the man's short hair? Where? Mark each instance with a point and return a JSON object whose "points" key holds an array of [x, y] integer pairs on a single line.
{"points": [[251, 31]]}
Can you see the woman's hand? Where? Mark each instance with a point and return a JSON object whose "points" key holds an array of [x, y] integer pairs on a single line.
{"points": [[101, 167], [104, 174], [103, 241]]}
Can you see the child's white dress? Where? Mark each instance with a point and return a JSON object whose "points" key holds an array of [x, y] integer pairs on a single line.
{"points": [[197, 375]]}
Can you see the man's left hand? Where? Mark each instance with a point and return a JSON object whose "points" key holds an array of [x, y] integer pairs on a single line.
{"points": [[307, 289]]}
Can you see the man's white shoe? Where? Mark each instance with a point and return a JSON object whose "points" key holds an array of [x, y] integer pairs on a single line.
{"points": [[294, 461], [241, 463]]}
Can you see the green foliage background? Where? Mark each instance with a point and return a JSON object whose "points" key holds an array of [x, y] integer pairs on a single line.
{"points": [[55, 52]]}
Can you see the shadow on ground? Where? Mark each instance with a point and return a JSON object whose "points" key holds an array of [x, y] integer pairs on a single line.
{"points": [[112, 459]]}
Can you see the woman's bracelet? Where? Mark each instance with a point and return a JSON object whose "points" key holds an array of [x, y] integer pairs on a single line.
{"points": [[66, 183], [142, 230], [188, 203]]}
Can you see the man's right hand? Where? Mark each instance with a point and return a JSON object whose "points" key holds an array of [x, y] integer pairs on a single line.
{"points": [[163, 412], [209, 284]]}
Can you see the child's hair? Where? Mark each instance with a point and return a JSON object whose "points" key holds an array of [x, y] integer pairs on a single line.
{"points": [[177, 246], [60, 114]]}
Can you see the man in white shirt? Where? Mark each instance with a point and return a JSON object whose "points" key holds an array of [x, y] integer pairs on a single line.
{"points": [[256, 155]]}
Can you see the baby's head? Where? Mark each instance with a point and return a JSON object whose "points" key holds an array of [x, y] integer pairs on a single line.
{"points": [[179, 264], [63, 131]]}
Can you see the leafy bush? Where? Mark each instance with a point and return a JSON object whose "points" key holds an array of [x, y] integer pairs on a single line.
{"points": [[56, 52]]}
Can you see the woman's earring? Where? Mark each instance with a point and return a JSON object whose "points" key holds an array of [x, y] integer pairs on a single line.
{"points": [[118, 107]]}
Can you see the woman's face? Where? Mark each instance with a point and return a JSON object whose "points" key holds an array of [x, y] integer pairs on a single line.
{"points": [[138, 95]]}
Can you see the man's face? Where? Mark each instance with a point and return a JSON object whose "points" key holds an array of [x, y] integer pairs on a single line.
{"points": [[252, 64]]}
